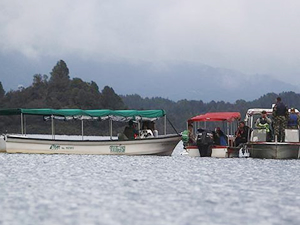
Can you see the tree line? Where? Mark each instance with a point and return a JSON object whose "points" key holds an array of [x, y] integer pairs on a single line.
{"points": [[60, 91]]}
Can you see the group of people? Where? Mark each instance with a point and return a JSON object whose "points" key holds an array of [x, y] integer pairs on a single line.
{"points": [[275, 127], [218, 137], [130, 131], [282, 119]]}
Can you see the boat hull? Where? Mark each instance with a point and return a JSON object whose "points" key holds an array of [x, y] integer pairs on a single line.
{"points": [[216, 151], [274, 150], [149, 146], [2, 144]]}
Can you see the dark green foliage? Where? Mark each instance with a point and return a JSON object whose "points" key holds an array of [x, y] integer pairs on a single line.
{"points": [[110, 100], [2, 92], [60, 76], [179, 112], [58, 92]]}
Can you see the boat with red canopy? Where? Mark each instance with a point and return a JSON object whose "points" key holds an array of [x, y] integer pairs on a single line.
{"points": [[211, 140]]}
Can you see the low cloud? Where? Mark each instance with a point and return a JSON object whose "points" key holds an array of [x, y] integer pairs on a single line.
{"points": [[257, 36]]}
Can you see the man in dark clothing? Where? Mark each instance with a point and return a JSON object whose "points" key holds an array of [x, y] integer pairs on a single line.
{"points": [[280, 114], [219, 137], [130, 132], [242, 134]]}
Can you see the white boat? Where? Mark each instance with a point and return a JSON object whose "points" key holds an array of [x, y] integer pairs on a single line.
{"points": [[141, 145], [259, 147], [2, 144], [211, 149]]}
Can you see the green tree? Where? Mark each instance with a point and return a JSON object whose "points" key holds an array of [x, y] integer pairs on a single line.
{"points": [[110, 99], [2, 92], [59, 84], [60, 78]]}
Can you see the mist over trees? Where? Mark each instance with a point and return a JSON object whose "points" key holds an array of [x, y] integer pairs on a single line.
{"points": [[59, 91]]}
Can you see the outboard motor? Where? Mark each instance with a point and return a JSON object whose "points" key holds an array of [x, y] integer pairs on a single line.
{"points": [[204, 142]]}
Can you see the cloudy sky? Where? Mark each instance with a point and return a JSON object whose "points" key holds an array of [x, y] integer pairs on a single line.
{"points": [[251, 36]]}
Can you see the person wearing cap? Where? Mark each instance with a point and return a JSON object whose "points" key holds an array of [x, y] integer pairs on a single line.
{"points": [[280, 115], [293, 120]]}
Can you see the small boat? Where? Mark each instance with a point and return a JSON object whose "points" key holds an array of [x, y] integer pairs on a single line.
{"points": [[205, 144], [150, 144], [259, 147], [2, 144]]}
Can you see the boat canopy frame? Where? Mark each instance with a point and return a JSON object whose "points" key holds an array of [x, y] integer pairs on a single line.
{"points": [[228, 117], [80, 114]]}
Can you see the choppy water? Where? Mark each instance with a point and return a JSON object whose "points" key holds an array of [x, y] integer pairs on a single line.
{"points": [[89, 189]]}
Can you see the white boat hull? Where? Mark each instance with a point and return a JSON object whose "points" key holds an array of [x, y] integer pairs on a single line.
{"points": [[2, 144], [216, 152], [163, 145]]}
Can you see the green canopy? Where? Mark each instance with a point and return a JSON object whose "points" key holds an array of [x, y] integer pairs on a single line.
{"points": [[98, 113]]}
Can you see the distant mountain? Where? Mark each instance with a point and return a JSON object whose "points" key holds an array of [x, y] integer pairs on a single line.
{"points": [[176, 81], [171, 80]]}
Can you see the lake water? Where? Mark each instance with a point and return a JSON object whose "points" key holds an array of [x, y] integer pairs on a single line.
{"points": [[97, 189]]}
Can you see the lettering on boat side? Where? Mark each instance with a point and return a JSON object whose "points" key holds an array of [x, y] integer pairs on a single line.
{"points": [[54, 147], [117, 148], [58, 147]]}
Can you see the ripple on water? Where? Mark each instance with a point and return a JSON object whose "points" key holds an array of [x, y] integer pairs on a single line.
{"points": [[89, 189]]}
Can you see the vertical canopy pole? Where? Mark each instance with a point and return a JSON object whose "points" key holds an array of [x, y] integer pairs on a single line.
{"points": [[22, 125], [52, 126], [165, 124], [25, 124], [82, 128], [228, 133], [110, 128]]}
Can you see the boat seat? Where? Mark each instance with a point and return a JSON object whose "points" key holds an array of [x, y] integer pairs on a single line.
{"points": [[291, 135], [258, 135]]}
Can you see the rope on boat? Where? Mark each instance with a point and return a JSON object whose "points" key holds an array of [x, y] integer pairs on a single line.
{"points": [[173, 126]]}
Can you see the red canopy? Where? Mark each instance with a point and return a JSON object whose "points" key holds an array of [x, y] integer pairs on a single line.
{"points": [[217, 116]]}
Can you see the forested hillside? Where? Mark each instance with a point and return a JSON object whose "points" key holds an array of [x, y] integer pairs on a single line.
{"points": [[179, 112], [59, 91]]}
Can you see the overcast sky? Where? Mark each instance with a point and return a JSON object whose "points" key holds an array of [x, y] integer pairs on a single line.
{"points": [[252, 36]]}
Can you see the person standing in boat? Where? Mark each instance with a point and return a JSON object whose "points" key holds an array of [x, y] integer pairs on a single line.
{"points": [[280, 115], [242, 134], [264, 122], [294, 120]]}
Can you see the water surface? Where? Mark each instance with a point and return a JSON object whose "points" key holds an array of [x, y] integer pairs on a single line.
{"points": [[98, 189]]}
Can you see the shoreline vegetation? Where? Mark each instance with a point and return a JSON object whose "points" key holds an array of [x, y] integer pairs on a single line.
{"points": [[58, 91]]}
